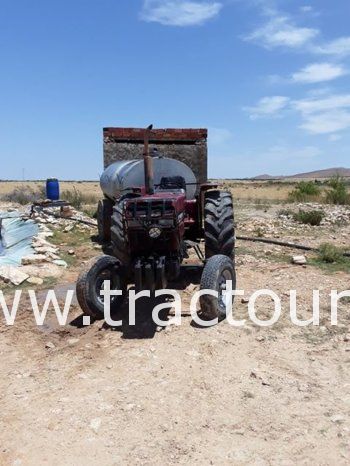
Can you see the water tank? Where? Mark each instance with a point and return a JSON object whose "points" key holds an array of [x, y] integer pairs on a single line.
{"points": [[121, 176], [52, 189]]}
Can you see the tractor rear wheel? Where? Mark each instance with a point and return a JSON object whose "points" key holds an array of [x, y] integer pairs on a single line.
{"points": [[219, 227], [91, 282], [118, 237], [104, 214], [217, 271]]}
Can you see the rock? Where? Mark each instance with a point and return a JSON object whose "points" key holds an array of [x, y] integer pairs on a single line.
{"points": [[60, 262], [50, 345], [73, 341], [52, 256], [68, 228], [33, 259], [43, 270], [299, 260], [35, 281], [95, 424], [260, 338], [45, 234], [192, 288], [66, 212], [338, 419], [46, 249], [12, 274], [347, 337], [71, 252], [244, 300]]}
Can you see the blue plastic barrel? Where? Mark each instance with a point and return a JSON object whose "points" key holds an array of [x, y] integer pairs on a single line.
{"points": [[52, 189]]}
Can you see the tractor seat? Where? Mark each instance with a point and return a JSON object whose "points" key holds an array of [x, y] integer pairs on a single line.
{"points": [[168, 183]]}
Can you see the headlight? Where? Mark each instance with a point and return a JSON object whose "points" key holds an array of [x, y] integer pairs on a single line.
{"points": [[154, 232]]}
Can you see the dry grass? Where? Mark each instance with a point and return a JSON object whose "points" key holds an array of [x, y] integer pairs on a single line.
{"points": [[258, 190], [87, 187]]}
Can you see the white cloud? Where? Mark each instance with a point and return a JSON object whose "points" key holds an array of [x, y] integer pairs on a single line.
{"points": [[324, 116], [179, 12], [280, 31], [332, 102], [319, 72], [327, 122], [268, 107], [306, 9], [337, 47]]}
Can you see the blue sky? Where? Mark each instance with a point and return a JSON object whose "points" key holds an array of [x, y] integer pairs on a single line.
{"points": [[270, 79]]}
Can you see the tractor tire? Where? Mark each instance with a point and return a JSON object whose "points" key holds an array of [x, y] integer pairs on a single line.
{"points": [[90, 283], [217, 270], [104, 214], [219, 227], [118, 238]]}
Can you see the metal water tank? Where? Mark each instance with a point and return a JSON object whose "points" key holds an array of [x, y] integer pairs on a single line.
{"points": [[121, 176]]}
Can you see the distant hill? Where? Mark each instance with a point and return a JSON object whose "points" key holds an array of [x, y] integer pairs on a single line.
{"points": [[265, 177], [327, 173]]}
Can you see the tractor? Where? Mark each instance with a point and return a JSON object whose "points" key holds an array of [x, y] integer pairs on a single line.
{"points": [[153, 212]]}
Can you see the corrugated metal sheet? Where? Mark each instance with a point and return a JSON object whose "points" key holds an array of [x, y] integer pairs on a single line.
{"points": [[16, 237]]}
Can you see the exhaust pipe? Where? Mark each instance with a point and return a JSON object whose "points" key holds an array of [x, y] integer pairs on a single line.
{"points": [[148, 163]]}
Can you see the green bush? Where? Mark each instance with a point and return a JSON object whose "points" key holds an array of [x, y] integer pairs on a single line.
{"points": [[338, 194], [330, 254], [312, 217], [305, 191]]}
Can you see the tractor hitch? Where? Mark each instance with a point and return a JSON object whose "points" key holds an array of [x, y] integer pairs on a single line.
{"points": [[150, 274]]}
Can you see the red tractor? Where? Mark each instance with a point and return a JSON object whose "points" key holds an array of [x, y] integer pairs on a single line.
{"points": [[152, 213]]}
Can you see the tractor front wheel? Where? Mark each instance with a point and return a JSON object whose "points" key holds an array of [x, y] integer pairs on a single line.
{"points": [[217, 271], [91, 282]]}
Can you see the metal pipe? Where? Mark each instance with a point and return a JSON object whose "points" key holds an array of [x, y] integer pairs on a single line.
{"points": [[148, 163]]}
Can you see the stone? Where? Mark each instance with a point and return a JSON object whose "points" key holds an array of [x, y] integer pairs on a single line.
{"points": [[35, 281], [50, 345], [192, 288], [33, 259], [73, 341], [46, 249], [60, 262], [66, 212], [71, 252], [12, 274], [338, 419], [95, 424], [299, 260], [68, 228]]}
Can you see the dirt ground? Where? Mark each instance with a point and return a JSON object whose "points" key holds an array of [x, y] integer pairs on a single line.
{"points": [[252, 395]]}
